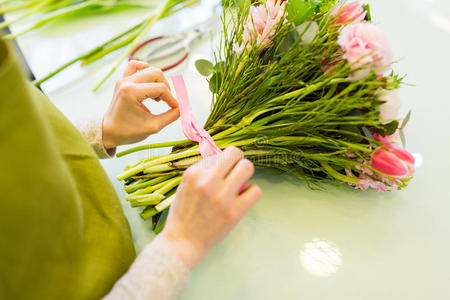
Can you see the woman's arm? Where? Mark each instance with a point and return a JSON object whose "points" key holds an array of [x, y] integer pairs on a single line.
{"points": [[208, 203], [207, 207]]}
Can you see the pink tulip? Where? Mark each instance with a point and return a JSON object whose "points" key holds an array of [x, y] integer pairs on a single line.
{"points": [[350, 12], [393, 161], [366, 48]]}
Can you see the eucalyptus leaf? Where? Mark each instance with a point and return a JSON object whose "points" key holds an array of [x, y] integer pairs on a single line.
{"points": [[403, 138], [204, 67], [406, 120], [390, 128], [308, 31], [369, 135], [288, 41], [214, 82]]}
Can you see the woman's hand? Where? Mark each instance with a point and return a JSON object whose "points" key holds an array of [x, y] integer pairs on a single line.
{"points": [[208, 205], [127, 119]]}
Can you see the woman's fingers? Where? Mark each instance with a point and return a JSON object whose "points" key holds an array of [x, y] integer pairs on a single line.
{"points": [[246, 200], [239, 175], [148, 75], [226, 161], [143, 91], [158, 122], [134, 66]]}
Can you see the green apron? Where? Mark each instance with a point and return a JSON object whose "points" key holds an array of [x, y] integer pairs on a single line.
{"points": [[63, 234]]}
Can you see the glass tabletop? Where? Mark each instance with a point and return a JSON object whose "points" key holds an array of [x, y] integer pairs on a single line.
{"points": [[297, 243]]}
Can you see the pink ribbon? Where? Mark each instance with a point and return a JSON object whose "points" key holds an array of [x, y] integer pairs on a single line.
{"points": [[191, 129]]}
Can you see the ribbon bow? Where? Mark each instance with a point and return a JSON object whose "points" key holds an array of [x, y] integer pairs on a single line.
{"points": [[190, 126]]}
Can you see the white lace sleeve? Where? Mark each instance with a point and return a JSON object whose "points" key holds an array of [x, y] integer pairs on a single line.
{"points": [[157, 274], [92, 130]]}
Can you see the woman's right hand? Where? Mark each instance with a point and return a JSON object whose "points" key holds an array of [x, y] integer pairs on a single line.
{"points": [[208, 205]]}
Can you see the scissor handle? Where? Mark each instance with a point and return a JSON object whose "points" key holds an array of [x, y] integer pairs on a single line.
{"points": [[138, 47], [175, 64], [166, 68]]}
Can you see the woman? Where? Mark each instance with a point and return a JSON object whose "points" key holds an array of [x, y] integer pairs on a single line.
{"points": [[63, 231]]}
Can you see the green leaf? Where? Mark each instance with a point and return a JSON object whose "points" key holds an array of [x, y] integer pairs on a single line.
{"points": [[356, 137], [214, 82], [406, 120], [369, 135], [390, 128], [161, 222], [403, 138], [288, 41], [299, 10], [204, 67], [366, 8]]}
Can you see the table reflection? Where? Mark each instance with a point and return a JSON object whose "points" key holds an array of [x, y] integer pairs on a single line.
{"points": [[321, 258]]}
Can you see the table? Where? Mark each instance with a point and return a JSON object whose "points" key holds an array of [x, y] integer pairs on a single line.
{"points": [[297, 243]]}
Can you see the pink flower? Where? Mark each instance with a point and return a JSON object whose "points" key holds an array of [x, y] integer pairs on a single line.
{"points": [[366, 49], [393, 161], [261, 25], [350, 12], [367, 179]]}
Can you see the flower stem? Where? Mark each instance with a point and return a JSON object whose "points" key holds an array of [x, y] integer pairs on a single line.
{"points": [[166, 159], [152, 146]]}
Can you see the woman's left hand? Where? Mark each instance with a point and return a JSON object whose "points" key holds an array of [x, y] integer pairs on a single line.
{"points": [[127, 119]]}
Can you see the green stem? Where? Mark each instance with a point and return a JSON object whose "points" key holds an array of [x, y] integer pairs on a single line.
{"points": [[146, 200], [5, 2], [105, 52], [17, 6], [152, 146], [59, 13], [159, 168], [166, 159], [136, 186], [85, 55], [148, 23], [149, 189], [338, 175], [165, 204]]}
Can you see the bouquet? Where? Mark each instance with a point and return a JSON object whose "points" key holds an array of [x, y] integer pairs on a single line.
{"points": [[301, 86]]}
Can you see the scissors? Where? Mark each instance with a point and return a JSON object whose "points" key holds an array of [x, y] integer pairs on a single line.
{"points": [[172, 44]]}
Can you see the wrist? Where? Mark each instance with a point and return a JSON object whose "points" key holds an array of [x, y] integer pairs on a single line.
{"points": [[185, 250], [107, 135]]}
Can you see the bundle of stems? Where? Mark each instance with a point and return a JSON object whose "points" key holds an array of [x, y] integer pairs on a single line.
{"points": [[127, 39], [281, 109]]}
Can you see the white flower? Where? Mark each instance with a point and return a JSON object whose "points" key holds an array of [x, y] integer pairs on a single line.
{"points": [[389, 111]]}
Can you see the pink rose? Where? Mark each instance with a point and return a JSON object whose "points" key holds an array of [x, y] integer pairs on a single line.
{"points": [[261, 24], [366, 48], [350, 12]]}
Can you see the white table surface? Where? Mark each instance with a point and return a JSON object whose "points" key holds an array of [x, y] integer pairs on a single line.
{"points": [[297, 243]]}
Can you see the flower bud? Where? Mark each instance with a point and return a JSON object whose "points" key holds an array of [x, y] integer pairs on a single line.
{"points": [[393, 161], [350, 12]]}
